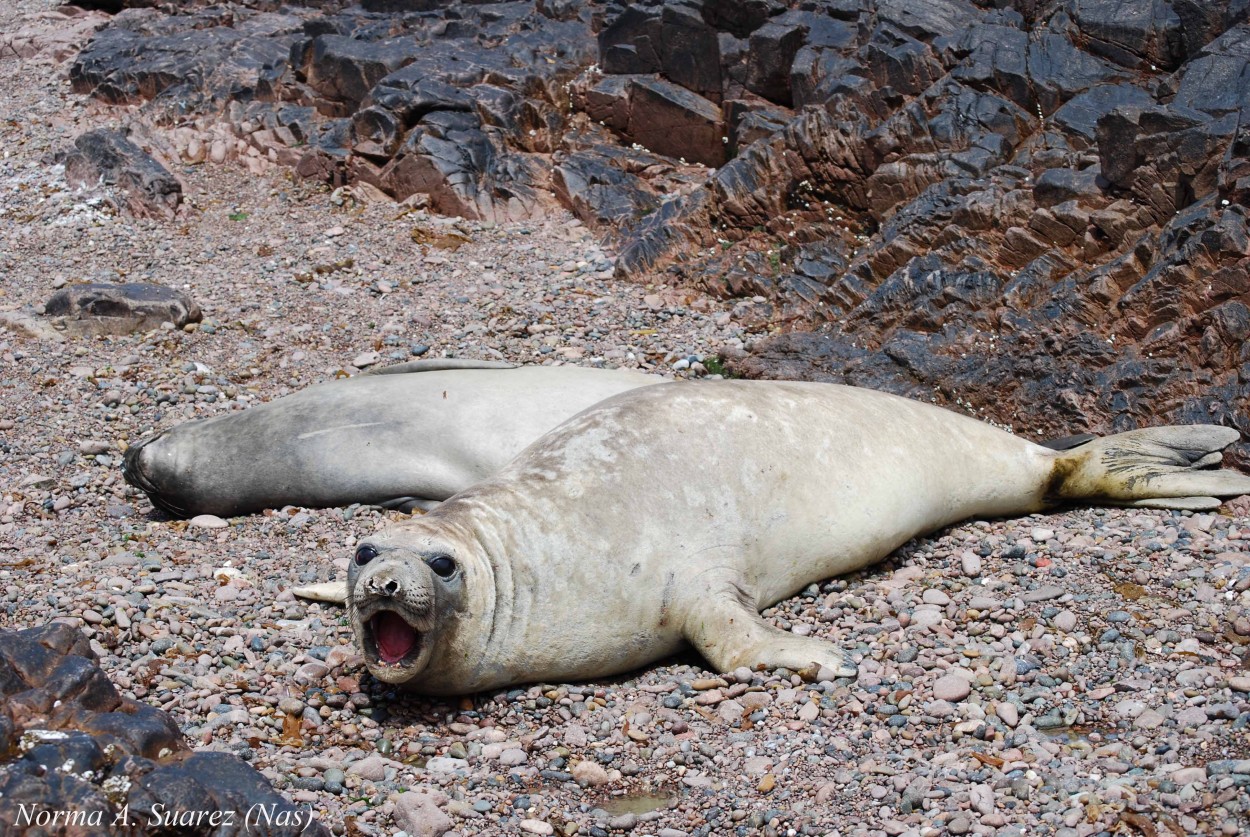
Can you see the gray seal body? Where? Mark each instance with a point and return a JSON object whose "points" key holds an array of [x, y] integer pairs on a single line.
{"points": [[673, 515], [410, 435]]}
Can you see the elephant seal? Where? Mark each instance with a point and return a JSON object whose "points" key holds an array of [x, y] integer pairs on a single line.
{"points": [[674, 514], [407, 435]]}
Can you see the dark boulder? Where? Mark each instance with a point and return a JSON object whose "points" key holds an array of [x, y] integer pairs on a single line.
{"points": [[344, 70], [659, 116], [770, 55], [78, 758], [740, 17], [600, 190], [135, 183], [199, 60], [672, 39], [121, 309], [1132, 34]]}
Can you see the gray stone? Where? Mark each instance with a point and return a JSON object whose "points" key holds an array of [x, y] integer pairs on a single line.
{"points": [[98, 308]]}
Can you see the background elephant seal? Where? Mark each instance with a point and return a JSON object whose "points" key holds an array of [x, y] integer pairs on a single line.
{"points": [[675, 514], [407, 435]]}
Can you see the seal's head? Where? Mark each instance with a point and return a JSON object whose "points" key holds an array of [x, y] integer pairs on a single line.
{"points": [[153, 466], [403, 600]]}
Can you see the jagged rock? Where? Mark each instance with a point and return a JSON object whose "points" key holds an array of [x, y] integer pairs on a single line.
{"points": [[1061, 185], [600, 191], [740, 18], [73, 747], [659, 116], [672, 39], [136, 183], [1132, 34], [120, 309], [751, 120], [202, 59], [344, 70], [770, 55]]}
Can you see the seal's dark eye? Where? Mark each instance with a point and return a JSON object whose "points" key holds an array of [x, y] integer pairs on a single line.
{"points": [[442, 565], [365, 554]]}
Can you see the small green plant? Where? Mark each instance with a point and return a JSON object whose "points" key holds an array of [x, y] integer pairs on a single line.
{"points": [[774, 260], [238, 216], [715, 366]]}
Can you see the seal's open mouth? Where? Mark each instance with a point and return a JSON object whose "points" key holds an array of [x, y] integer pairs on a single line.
{"points": [[395, 641]]}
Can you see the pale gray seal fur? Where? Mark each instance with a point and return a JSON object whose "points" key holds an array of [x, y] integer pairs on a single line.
{"points": [[674, 514], [407, 435]]}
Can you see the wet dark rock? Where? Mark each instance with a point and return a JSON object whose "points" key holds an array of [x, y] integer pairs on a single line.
{"points": [[771, 52], [344, 70], [73, 745], [135, 182], [98, 308], [661, 117], [198, 60], [672, 39]]}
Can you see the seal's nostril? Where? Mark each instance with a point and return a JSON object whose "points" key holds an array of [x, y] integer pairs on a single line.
{"points": [[392, 587]]}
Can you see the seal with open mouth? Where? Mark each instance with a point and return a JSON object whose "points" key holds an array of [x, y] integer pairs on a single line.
{"points": [[408, 435], [674, 514]]}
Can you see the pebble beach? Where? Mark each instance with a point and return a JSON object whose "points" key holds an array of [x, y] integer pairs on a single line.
{"points": [[1073, 674]]}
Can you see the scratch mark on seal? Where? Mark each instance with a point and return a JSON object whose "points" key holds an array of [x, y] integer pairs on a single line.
{"points": [[325, 430]]}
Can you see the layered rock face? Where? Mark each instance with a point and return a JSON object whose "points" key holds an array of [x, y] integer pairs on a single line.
{"points": [[1035, 208]]}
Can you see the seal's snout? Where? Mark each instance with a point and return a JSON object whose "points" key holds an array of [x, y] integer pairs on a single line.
{"points": [[384, 584]]}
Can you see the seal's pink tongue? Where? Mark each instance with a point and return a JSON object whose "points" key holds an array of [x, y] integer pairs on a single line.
{"points": [[394, 636]]}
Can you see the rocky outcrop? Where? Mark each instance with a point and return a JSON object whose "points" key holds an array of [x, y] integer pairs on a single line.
{"points": [[452, 101], [1001, 203], [1033, 210], [80, 759]]}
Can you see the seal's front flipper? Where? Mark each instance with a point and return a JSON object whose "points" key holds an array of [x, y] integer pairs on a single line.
{"points": [[729, 633], [334, 592], [1159, 467]]}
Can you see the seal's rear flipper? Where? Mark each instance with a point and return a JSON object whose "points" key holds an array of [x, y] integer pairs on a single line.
{"points": [[410, 505], [334, 592], [1159, 467], [1068, 442]]}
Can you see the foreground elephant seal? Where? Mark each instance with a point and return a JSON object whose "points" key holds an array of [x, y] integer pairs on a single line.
{"points": [[411, 434], [675, 514]]}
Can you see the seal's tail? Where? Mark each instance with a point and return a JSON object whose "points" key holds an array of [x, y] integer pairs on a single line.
{"points": [[1159, 467]]}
